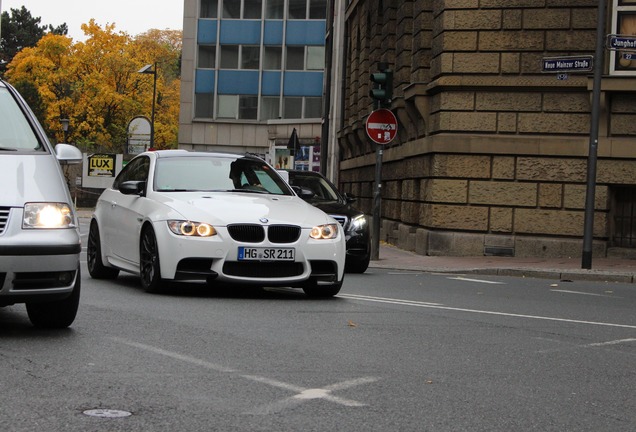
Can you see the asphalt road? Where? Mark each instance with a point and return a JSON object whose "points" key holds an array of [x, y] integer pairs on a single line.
{"points": [[395, 351]]}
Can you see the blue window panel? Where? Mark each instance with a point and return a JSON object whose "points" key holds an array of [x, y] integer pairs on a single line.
{"points": [[237, 32], [270, 85], [273, 33], [204, 81], [306, 32], [206, 33], [238, 82], [303, 84]]}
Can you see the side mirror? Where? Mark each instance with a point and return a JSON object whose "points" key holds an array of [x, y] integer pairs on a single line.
{"points": [[303, 192], [67, 154], [132, 187], [349, 197]]}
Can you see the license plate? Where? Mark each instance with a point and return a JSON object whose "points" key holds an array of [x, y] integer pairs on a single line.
{"points": [[265, 254]]}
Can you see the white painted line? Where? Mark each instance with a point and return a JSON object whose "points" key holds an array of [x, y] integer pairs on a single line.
{"points": [[477, 280], [176, 356], [387, 300], [614, 342], [579, 292], [405, 273], [302, 394], [436, 306]]}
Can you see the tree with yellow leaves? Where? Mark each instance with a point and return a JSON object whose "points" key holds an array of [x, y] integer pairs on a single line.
{"points": [[96, 86]]}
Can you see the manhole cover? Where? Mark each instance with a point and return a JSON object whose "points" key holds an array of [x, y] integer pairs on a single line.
{"points": [[107, 413]]}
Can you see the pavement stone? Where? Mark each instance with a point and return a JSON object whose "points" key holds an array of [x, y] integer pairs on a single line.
{"points": [[562, 269]]}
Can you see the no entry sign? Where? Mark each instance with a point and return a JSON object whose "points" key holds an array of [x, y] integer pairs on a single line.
{"points": [[381, 126]]}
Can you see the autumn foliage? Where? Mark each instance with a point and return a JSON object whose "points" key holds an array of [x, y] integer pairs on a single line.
{"points": [[96, 84]]}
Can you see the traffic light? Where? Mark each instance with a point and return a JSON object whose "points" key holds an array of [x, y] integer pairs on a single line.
{"points": [[382, 90]]}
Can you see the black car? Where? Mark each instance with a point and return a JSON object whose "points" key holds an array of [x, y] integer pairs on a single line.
{"points": [[339, 206]]}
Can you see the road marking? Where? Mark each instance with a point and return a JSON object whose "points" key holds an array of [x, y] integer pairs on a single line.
{"points": [[387, 300], [476, 280], [405, 273], [580, 292], [302, 394], [484, 312], [314, 393], [614, 342]]}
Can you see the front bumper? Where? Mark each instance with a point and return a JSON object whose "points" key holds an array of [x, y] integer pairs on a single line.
{"points": [[197, 258]]}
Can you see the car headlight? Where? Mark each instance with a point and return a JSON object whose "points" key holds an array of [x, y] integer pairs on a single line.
{"points": [[321, 232], [358, 222], [47, 215], [191, 229]]}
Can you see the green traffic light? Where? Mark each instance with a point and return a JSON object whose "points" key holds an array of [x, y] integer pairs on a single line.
{"points": [[383, 86]]}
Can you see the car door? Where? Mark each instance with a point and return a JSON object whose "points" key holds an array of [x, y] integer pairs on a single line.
{"points": [[126, 213]]}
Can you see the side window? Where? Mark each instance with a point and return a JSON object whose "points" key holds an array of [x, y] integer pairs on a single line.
{"points": [[136, 170]]}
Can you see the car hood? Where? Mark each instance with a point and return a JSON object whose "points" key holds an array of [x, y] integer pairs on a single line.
{"points": [[27, 178], [223, 208], [336, 208]]}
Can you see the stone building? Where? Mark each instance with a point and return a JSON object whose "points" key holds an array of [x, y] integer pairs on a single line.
{"points": [[491, 151]]}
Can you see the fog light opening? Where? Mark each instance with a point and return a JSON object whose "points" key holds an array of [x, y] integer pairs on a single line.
{"points": [[66, 278]]}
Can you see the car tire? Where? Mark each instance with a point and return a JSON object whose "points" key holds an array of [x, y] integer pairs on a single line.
{"points": [[313, 290], [149, 267], [96, 267], [355, 265], [56, 314]]}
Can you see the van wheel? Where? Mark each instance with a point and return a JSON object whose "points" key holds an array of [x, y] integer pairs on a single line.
{"points": [[56, 314], [96, 267]]}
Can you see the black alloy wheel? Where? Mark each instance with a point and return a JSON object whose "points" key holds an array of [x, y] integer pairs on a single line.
{"points": [[149, 268], [96, 267]]}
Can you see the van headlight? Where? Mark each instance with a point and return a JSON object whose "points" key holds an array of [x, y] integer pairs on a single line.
{"points": [[322, 232], [47, 216]]}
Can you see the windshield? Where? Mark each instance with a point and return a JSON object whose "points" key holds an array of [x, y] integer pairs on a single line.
{"points": [[15, 131], [322, 189], [214, 173]]}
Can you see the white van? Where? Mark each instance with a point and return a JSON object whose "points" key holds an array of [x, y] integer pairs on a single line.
{"points": [[39, 233]]}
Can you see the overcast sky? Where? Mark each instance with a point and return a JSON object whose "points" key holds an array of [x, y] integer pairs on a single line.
{"points": [[131, 16]]}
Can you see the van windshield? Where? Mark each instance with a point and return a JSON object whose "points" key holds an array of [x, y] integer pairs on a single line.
{"points": [[16, 133]]}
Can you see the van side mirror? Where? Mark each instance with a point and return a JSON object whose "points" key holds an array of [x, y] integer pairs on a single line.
{"points": [[67, 154]]}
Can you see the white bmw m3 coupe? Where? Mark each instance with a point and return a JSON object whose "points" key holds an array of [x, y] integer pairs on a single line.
{"points": [[214, 217]]}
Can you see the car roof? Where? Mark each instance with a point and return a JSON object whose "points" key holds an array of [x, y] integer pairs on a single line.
{"points": [[187, 153], [304, 173]]}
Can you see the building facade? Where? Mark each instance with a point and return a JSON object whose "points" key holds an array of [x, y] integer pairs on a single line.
{"points": [[252, 73], [491, 155]]}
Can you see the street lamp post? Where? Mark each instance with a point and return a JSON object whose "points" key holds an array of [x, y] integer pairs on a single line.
{"points": [[65, 122], [148, 69]]}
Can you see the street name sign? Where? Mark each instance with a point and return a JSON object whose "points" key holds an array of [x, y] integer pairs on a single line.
{"points": [[381, 126], [568, 64], [621, 42]]}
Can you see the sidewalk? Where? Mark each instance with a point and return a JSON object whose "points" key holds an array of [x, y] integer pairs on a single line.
{"points": [[603, 269]]}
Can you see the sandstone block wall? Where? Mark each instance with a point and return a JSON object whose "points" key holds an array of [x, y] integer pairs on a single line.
{"points": [[491, 152]]}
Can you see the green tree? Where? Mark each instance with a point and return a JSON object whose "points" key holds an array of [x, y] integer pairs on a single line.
{"points": [[21, 30], [96, 86]]}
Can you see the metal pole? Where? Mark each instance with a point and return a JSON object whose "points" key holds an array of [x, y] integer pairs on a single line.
{"points": [[588, 227], [377, 204], [152, 113]]}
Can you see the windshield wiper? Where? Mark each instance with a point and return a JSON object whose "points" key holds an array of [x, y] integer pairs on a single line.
{"points": [[8, 149], [250, 191]]}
